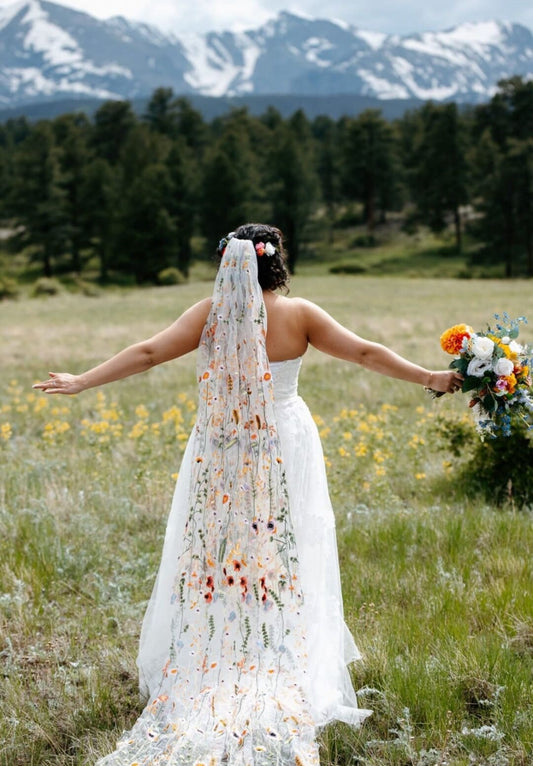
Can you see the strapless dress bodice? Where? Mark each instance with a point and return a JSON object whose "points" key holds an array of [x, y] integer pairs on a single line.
{"points": [[285, 378]]}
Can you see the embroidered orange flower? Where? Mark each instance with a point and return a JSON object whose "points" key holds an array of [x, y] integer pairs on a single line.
{"points": [[267, 376], [225, 499], [452, 339], [206, 375]]}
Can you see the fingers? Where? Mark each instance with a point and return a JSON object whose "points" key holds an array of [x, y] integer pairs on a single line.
{"points": [[51, 386], [456, 383]]}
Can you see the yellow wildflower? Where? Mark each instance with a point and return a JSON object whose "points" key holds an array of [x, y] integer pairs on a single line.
{"points": [[141, 412]]}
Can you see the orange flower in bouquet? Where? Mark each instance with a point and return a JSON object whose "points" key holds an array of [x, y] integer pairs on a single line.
{"points": [[452, 340]]}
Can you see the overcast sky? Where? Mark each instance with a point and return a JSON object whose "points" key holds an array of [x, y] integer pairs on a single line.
{"points": [[396, 16]]}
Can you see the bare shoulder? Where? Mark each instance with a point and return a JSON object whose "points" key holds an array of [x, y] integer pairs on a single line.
{"points": [[198, 312], [309, 312], [291, 303]]}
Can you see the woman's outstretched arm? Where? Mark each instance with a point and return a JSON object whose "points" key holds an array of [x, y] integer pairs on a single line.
{"points": [[181, 337], [329, 336]]}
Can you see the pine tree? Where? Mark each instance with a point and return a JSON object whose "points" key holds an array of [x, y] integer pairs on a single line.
{"points": [[294, 184], [183, 201], [113, 122], [100, 195], [368, 164], [505, 188], [227, 184], [162, 113], [38, 199], [146, 241], [191, 126], [328, 167], [439, 182], [72, 133], [503, 174]]}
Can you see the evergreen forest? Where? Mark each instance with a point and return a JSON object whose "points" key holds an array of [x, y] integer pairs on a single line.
{"points": [[136, 199]]}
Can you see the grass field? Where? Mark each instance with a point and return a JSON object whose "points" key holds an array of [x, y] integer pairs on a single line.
{"points": [[437, 584]]}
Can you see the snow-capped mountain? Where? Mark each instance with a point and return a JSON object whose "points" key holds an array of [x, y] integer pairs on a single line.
{"points": [[50, 52]]}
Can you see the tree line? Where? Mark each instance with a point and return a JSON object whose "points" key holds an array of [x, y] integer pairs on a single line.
{"points": [[131, 192]]}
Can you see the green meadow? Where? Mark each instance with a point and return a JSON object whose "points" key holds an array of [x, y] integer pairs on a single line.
{"points": [[438, 583]]}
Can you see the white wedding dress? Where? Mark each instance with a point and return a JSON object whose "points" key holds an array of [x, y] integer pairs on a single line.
{"points": [[244, 649], [330, 644]]}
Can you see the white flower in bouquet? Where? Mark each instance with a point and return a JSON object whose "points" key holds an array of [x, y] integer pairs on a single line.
{"points": [[503, 366], [478, 367], [482, 347], [515, 347]]}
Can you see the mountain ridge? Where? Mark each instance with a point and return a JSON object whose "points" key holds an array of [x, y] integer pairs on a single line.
{"points": [[51, 52]]}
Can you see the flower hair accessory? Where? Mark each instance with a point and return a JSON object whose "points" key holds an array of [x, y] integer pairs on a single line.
{"points": [[222, 245], [262, 249]]}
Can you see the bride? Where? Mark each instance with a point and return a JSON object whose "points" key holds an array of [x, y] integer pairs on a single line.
{"points": [[243, 649]]}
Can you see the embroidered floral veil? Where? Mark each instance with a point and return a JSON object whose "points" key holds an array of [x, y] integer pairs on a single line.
{"points": [[231, 687]]}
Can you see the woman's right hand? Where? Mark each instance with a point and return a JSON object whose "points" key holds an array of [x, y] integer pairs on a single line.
{"points": [[445, 381], [61, 383]]}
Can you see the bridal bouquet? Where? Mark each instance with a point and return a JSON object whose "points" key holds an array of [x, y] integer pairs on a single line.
{"points": [[497, 374]]}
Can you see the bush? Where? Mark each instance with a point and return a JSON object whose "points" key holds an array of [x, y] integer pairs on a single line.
{"points": [[8, 288], [347, 267], [364, 240], [499, 469], [170, 276], [46, 286], [502, 468], [86, 288]]}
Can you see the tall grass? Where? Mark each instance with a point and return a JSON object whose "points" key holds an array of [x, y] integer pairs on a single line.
{"points": [[437, 586]]}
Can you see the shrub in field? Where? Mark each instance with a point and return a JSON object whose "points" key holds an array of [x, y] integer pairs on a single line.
{"points": [[46, 286], [502, 468], [86, 288], [364, 240], [347, 267], [8, 288], [499, 469], [170, 276]]}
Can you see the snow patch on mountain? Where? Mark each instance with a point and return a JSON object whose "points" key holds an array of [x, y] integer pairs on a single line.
{"points": [[373, 39], [381, 87], [132, 29], [56, 45], [8, 13]]}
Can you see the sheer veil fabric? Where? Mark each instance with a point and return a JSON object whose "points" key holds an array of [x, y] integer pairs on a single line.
{"points": [[224, 653]]}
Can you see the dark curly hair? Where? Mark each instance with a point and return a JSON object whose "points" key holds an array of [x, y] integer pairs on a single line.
{"points": [[272, 272]]}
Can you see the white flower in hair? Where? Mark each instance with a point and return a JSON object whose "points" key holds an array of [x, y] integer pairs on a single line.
{"points": [[269, 248]]}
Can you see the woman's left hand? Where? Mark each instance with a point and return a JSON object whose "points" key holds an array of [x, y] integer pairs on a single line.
{"points": [[60, 383]]}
